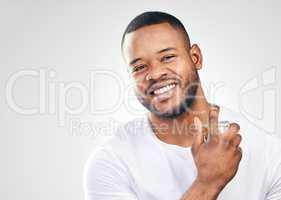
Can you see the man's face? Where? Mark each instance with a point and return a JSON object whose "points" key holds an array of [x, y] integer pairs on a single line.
{"points": [[161, 65]]}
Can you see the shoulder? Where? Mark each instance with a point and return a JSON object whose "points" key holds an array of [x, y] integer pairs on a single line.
{"points": [[106, 173], [120, 142]]}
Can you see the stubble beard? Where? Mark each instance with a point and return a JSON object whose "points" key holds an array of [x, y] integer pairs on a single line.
{"points": [[183, 107]]}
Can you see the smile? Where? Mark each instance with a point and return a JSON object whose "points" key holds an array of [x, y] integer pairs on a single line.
{"points": [[164, 89]]}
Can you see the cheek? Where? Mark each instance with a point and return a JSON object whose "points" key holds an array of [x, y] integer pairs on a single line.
{"points": [[140, 87], [140, 82], [181, 65], [188, 67]]}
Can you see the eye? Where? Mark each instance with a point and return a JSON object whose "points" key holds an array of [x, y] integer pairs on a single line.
{"points": [[138, 68], [168, 58]]}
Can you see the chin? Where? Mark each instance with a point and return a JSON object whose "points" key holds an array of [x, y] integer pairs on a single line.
{"points": [[168, 109], [169, 113]]}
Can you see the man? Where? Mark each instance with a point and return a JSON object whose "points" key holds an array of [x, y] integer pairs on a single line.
{"points": [[177, 150]]}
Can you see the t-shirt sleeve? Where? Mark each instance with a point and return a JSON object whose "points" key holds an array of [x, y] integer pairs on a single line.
{"points": [[274, 173], [105, 178], [274, 192]]}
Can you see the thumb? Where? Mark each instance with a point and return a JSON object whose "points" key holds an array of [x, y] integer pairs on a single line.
{"points": [[198, 135]]}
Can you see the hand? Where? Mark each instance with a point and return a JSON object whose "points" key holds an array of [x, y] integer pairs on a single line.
{"points": [[218, 159]]}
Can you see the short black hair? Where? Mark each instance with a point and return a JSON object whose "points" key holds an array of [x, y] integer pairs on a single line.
{"points": [[154, 17]]}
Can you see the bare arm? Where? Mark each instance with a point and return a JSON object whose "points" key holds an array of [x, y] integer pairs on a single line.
{"points": [[200, 191]]}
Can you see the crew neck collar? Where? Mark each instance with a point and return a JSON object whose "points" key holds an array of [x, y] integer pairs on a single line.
{"points": [[173, 147]]}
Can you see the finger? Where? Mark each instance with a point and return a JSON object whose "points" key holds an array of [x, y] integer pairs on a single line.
{"points": [[239, 153], [213, 119], [239, 149], [198, 135], [231, 136], [234, 127], [205, 134], [236, 140]]}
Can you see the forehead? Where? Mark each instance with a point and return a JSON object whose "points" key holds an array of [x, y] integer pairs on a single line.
{"points": [[150, 39]]}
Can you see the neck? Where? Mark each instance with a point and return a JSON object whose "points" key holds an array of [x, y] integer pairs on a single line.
{"points": [[178, 130]]}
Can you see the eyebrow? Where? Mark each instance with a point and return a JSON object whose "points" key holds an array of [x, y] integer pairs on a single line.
{"points": [[134, 61], [161, 51], [166, 49]]}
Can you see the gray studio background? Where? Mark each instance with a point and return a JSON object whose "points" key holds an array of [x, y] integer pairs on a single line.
{"points": [[43, 152]]}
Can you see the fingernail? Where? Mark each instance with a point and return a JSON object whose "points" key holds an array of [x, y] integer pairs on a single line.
{"points": [[196, 120]]}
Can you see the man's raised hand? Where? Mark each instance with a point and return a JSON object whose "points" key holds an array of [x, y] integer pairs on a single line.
{"points": [[217, 160]]}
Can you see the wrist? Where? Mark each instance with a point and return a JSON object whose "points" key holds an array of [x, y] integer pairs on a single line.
{"points": [[209, 189]]}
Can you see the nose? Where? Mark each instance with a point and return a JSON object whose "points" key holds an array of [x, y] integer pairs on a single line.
{"points": [[156, 72]]}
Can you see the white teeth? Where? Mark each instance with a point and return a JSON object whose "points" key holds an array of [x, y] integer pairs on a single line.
{"points": [[164, 89]]}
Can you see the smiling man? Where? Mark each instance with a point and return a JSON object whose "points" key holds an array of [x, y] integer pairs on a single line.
{"points": [[178, 151]]}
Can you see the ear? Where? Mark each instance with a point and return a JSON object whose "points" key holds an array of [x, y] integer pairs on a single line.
{"points": [[196, 56]]}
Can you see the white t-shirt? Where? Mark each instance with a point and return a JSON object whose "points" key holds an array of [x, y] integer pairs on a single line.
{"points": [[135, 164]]}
